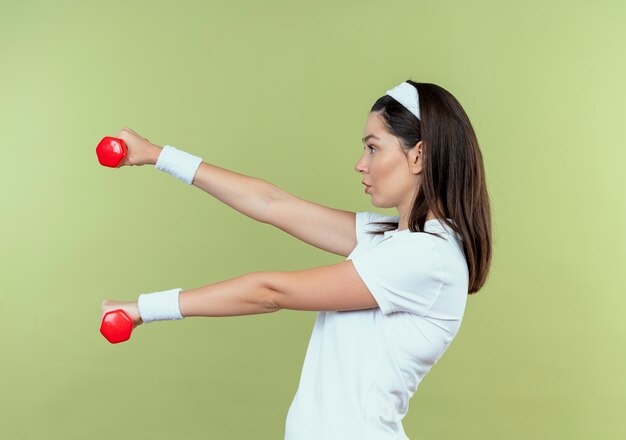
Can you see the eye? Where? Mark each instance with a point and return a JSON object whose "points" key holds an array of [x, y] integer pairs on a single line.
{"points": [[371, 148]]}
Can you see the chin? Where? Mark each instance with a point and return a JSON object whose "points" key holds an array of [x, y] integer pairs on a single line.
{"points": [[383, 205]]}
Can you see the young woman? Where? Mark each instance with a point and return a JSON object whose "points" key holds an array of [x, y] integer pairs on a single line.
{"points": [[388, 312]]}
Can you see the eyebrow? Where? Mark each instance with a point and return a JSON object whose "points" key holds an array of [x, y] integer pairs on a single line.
{"points": [[369, 136]]}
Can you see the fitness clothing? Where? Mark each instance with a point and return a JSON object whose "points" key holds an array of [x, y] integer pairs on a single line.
{"points": [[362, 366]]}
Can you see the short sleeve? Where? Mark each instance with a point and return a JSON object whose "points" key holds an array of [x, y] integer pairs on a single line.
{"points": [[362, 218], [402, 273]]}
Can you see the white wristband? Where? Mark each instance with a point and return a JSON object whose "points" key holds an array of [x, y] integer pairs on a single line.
{"points": [[178, 163], [159, 306]]}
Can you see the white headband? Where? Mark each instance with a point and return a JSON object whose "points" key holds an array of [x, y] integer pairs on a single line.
{"points": [[406, 94]]}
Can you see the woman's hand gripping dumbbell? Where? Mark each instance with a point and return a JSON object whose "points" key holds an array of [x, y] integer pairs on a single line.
{"points": [[127, 148], [119, 319]]}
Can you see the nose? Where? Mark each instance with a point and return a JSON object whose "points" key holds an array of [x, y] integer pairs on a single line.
{"points": [[360, 166]]}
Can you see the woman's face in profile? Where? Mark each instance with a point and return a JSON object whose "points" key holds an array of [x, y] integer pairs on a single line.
{"points": [[384, 166]]}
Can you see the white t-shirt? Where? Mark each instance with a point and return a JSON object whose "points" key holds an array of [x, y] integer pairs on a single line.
{"points": [[362, 366]]}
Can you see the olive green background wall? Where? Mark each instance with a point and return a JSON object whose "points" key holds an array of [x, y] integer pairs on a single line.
{"points": [[280, 90]]}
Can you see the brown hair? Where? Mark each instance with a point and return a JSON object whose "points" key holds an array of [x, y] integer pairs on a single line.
{"points": [[453, 172]]}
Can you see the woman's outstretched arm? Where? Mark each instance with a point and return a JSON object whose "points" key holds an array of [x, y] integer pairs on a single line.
{"points": [[336, 287]]}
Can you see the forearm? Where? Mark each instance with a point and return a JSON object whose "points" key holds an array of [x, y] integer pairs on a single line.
{"points": [[249, 195], [244, 295], [247, 294]]}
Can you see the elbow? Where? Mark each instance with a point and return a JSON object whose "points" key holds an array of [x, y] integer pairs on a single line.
{"points": [[270, 299], [271, 303]]}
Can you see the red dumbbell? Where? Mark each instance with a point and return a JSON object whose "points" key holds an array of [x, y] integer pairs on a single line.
{"points": [[111, 151], [116, 326]]}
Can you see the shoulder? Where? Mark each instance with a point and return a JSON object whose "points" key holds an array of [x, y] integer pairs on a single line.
{"points": [[441, 255]]}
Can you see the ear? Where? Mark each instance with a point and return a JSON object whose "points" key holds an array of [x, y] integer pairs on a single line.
{"points": [[415, 158]]}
